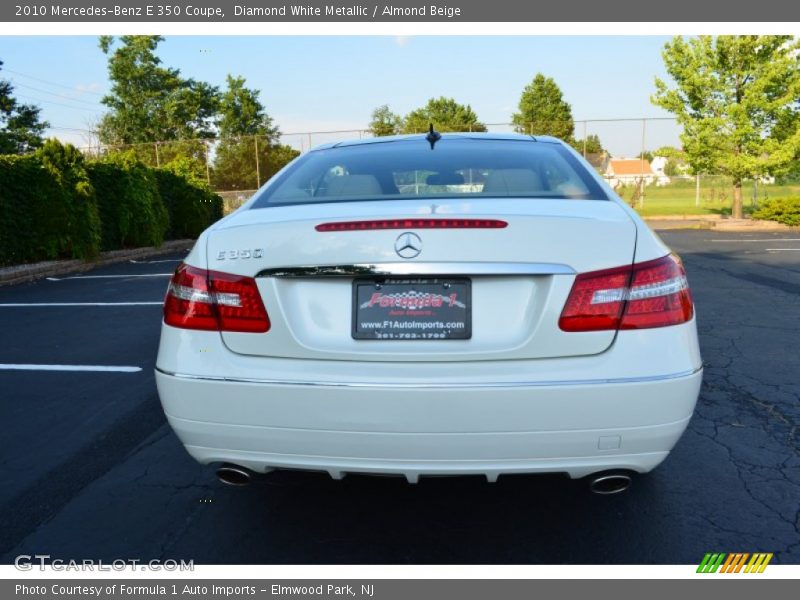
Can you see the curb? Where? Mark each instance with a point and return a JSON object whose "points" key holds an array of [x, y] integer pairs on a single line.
{"points": [[33, 271], [709, 217], [717, 224]]}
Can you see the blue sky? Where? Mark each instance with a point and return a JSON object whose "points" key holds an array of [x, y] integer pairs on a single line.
{"points": [[319, 83]]}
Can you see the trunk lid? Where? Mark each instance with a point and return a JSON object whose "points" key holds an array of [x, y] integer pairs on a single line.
{"points": [[515, 312]]}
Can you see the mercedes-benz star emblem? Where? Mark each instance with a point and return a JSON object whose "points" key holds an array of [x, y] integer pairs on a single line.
{"points": [[408, 245]]}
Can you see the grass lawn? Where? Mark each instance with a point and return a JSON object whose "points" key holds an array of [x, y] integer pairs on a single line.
{"points": [[716, 195]]}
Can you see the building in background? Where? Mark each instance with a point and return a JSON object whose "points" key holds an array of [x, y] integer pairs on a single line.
{"points": [[634, 171]]}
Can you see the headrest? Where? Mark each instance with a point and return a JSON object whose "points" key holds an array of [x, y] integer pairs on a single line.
{"points": [[353, 185], [512, 182]]}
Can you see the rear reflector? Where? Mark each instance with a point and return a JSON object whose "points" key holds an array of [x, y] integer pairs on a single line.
{"points": [[649, 294], [214, 301], [412, 224]]}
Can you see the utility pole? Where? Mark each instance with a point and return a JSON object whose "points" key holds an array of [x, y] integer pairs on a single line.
{"points": [[755, 192], [697, 189], [641, 162], [584, 139], [258, 169], [208, 169]]}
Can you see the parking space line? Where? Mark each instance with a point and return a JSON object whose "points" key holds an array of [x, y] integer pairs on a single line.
{"points": [[109, 276], [56, 304], [86, 368], [783, 249], [152, 262]]}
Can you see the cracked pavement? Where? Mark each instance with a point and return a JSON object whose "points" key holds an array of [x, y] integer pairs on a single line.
{"points": [[91, 470]]}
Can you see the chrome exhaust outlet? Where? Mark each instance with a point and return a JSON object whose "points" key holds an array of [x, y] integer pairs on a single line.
{"points": [[233, 475], [606, 484]]}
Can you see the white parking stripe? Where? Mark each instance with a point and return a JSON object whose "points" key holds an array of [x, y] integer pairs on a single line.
{"points": [[47, 304], [741, 241], [152, 262], [89, 368], [109, 276], [783, 249]]}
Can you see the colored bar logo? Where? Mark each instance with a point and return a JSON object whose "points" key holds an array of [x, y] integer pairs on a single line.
{"points": [[735, 562]]}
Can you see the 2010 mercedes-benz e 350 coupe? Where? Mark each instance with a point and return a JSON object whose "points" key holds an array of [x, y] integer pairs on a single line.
{"points": [[431, 305]]}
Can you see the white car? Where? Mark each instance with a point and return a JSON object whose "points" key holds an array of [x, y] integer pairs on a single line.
{"points": [[431, 305]]}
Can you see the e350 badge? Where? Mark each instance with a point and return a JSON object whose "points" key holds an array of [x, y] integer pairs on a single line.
{"points": [[240, 254]]}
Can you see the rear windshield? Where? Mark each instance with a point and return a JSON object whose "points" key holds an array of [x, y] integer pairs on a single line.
{"points": [[410, 169]]}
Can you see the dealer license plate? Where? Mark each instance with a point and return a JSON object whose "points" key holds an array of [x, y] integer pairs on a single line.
{"points": [[412, 309]]}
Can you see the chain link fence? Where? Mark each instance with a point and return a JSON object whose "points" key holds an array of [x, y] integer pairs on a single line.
{"points": [[622, 151]]}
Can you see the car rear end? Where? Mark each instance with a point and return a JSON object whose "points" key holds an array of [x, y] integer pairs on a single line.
{"points": [[469, 319]]}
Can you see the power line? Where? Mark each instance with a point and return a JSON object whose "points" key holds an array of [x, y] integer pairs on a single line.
{"points": [[56, 94], [60, 128], [34, 99], [61, 85]]}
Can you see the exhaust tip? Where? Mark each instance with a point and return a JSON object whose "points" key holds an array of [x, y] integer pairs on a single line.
{"points": [[606, 484], [233, 475]]}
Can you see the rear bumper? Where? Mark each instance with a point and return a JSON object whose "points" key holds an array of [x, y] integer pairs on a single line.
{"points": [[576, 427]]}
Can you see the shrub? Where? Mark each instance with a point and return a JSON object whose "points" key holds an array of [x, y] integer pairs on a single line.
{"points": [[82, 221], [131, 209], [55, 204], [47, 206], [29, 212], [191, 205], [782, 210]]}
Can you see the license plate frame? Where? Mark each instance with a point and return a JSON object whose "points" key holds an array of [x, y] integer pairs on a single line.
{"points": [[432, 308]]}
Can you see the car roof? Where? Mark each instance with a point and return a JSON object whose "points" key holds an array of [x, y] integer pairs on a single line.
{"points": [[508, 137]]}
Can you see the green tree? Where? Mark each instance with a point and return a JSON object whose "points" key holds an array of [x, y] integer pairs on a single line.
{"points": [[592, 145], [672, 168], [445, 114], [188, 168], [235, 163], [676, 160], [792, 175], [149, 102], [670, 152], [242, 113], [20, 128], [246, 131], [543, 110], [276, 157], [385, 122], [736, 98]]}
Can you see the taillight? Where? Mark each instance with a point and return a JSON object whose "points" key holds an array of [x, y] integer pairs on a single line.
{"points": [[649, 294], [214, 301], [596, 300], [419, 223]]}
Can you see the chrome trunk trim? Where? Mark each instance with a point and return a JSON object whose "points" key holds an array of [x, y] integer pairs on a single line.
{"points": [[473, 269]]}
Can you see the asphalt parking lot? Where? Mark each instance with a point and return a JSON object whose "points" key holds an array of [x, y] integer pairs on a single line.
{"points": [[91, 470]]}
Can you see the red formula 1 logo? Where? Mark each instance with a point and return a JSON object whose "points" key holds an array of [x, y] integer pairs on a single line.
{"points": [[412, 300]]}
